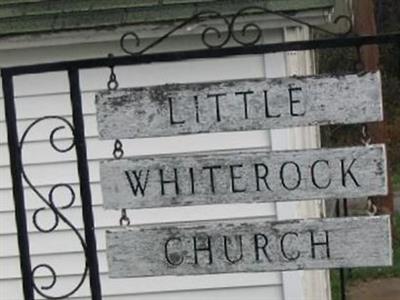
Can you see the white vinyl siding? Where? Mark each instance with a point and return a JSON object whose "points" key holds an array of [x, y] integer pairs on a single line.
{"points": [[47, 94]]}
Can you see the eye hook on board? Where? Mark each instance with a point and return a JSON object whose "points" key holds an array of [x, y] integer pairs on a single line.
{"points": [[372, 209], [124, 220], [365, 137]]}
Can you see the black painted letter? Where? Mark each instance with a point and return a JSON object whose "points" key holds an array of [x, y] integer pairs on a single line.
{"points": [[163, 181], [235, 189], [138, 185], [296, 185], [246, 112], [285, 255], [234, 260], [267, 113], [325, 243], [197, 249], [216, 96], [191, 173], [348, 172], [294, 101], [313, 178], [196, 106], [174, 258], [257, 247], [263, 176], [212, 182], [171, 114]]}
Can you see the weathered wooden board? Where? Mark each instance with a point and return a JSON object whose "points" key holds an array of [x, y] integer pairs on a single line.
{"points": [[248, 246], [238, 105], [243, 177]]}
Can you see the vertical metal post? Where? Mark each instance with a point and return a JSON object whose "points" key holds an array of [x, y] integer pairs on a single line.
{"points": [[342, 284], [342, 279], [18, 189], [346, 213], [84, 183]]}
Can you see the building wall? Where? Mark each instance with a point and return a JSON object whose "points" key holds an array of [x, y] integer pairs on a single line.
{"points": [[47, 94]]}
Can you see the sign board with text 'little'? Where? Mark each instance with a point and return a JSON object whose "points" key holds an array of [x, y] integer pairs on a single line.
{"points": [[248, 246], [238, 105], [243, 177]]}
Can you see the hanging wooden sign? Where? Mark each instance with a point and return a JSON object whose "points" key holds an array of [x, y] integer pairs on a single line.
{"points": [[248, 246], [244, 177], [238, 105]]}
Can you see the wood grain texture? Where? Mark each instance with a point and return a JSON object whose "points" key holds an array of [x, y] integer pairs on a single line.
{"points": [[248, 246], [243, 177], [241, 105]]}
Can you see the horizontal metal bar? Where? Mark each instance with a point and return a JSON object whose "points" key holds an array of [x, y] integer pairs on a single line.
{"points": [[204, 53]]}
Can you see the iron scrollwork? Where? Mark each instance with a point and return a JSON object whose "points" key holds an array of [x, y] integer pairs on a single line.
{"points": [[249, 35], [50, 203], [197, 18]]}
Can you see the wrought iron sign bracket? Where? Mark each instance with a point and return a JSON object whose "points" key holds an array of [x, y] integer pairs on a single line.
{"points": [[246, 33]]}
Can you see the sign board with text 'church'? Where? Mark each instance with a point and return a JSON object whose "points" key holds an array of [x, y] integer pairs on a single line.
{"points": [[248, 246], [238, 105]]}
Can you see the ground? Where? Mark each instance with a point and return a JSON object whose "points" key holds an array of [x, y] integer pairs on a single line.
{"points": [[376, 289]]}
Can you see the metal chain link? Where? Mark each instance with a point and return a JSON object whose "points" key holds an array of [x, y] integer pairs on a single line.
{"points": [[124, 220], [118, 151], [112, 83], [365, 137], [372, 209]]}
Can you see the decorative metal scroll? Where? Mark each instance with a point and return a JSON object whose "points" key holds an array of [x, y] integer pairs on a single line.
{"points": [[50, 204], [213, 37]]}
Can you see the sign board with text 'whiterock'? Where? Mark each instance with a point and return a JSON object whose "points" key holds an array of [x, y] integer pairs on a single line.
{"points": [[248, 246], [238, 105], [243, 177]]}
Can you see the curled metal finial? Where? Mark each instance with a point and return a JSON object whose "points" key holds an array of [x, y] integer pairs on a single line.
{"points": [[250, 33], [53, 281], [54, 145], [52, 134], [124, 220], [128, 37], [349, 23], [213, 37]]}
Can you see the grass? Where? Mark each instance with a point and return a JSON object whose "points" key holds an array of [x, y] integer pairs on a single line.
{"points": [[396, 181], [365, 274]]}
